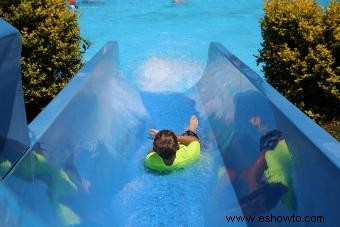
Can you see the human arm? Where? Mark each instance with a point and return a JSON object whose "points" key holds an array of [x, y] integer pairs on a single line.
{"points": [[186, 140], [254, 172]]}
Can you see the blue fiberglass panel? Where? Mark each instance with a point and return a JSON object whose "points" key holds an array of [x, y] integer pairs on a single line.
{"points": [[77, 144], [85, 165], [250, 118], [13, 125]]}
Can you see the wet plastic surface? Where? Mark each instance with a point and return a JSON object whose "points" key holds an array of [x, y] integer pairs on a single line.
{"points": [[13, 125], [85, 165]]}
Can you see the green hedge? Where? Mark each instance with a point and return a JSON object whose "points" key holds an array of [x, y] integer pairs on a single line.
{"points": [[300, 54], [52, 48]]}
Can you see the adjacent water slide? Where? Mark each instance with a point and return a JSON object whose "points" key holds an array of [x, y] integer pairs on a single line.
{"points": [[84, 165], [13, 125]]}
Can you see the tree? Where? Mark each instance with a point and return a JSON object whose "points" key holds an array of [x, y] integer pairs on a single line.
{"points": [[52, 48], [300, 54]]}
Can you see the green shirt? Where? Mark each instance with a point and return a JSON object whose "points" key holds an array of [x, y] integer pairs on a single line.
{"points": [[279, 170], [184, 156]]}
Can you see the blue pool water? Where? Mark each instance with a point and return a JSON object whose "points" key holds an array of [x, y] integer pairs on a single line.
{"points": [[161, 32], [150, 32]]}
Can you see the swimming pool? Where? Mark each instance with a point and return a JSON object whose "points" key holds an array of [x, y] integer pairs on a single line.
{"points": [[160, 34], [161, 31]]}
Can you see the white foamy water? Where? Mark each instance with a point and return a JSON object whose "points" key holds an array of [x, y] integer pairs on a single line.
{"points": [[168, 74]]}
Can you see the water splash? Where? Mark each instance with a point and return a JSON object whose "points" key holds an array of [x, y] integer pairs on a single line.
{"points": [[159, 74]]}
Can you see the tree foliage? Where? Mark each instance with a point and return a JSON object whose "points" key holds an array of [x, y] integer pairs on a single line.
{"points": [[300, 54], [52, 48]]}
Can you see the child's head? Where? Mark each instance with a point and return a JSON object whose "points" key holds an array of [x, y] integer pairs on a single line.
{"points": [[165, 145]]}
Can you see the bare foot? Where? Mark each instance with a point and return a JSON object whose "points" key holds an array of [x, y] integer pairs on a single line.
{"points": [[255, 121], [178, 1], [193, 124]]}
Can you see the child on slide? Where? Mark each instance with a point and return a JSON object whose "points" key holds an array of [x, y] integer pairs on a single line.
{"points": [[171, 152]]}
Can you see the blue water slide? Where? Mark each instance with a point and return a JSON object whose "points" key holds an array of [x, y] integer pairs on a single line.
{"points": [[85, 162], [14, 139]]}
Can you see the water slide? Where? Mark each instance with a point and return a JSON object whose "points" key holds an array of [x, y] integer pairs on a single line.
{"points": [[80, 162]]}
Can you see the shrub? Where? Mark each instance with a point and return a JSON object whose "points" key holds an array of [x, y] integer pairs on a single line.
{"points": [[52, 47], [300, 54]]}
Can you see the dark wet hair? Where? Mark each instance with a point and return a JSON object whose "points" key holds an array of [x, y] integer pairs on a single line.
{"points": [[165, 145]]}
